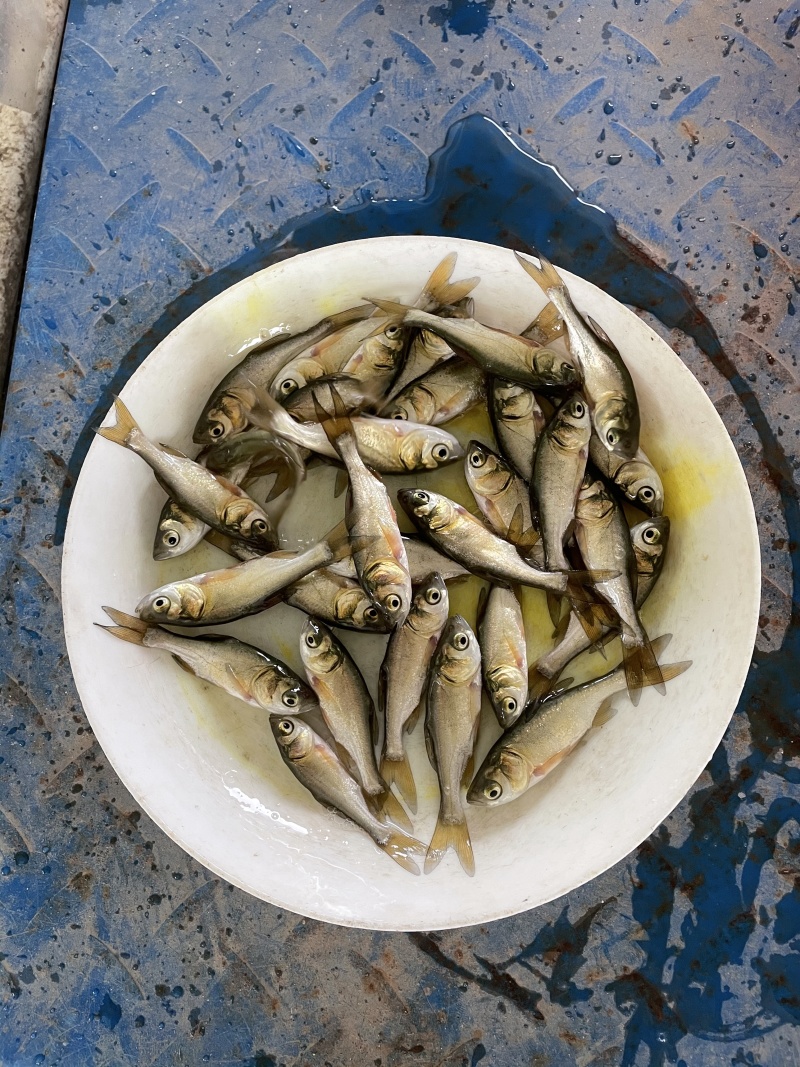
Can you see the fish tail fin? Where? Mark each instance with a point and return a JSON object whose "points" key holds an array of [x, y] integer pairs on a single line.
{"points": [[402, 848], [554, 607], [446, 836], [398, 772], [455, 292], [547, 326], [545, 276], [128, 627], [539, 685], [393, 308], [338, 541], [122, 429], [438, 280], [641, 666], [336, 424], [393, 810], [355, 314]]}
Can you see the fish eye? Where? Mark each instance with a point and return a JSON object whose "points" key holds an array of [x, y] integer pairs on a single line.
{"points": [[289, 385], [493, 791], [441, 452], [290, 700], [399, 415], [433, 596], [371, 614], [161, 603], [611, 437], [477, 459], [460, 641], [312, 640], [421, 496], [567, 368], [392, 331], [259, 526], [285, 726], [650, 535], [509, 705], [216, 429], [578, 409], [647, 494], [393, 602], [171, 539]]}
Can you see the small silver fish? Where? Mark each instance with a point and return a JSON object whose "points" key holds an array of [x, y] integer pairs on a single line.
{"points": [[518, 421], [501, 495], [338, 599], [451, 726], [224, 414], [467, 540], [501, 632], [440, 395], [649, 541], [215, 501], [358, 350], [403, 675], [538, 743], [317, 767], [178, 531], [496, 351], [557, 476], [607, 383], [378, 552], [388, 446], [344, 699], [604, 540], [240, 669], [637, 477], [235, 592]]}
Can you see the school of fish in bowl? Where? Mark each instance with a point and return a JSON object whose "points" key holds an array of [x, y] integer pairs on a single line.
{"points": [[371, 390]]}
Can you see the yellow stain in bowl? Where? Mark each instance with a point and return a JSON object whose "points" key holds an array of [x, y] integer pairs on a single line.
{"points": [[690, 481]]}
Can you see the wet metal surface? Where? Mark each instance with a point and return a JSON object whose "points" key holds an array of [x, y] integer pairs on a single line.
{"points": [[191, 144]]}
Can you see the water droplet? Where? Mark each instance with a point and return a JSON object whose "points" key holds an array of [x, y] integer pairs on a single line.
{"points": [[784, 248], [740, 19], [614, 158], [654, 105], [730, 144], [608, 107], [598, 153]]}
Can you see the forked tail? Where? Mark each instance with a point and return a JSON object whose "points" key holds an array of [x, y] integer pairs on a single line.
{"points": [[439, 291], [403, 849], [120, 433], [390, 807], [641, 666], [398, 772], [545, 276], [128, 628], [446, 836]]}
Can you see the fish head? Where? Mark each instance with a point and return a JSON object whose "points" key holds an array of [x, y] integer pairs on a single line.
{"points": [[431, 346], [224, 416], [503, 776], [171, 603], [594, 499], [458, 657], [486, 472], [437, 447], [554, 368], [429, 510], [295, 738], [319, 649], [391, 589], [512, 401], [353, 606], [292, 378], [271, 687], [616, 422], [175, 536], [641, 485], [507, 688], [403, 407], [649, 540], [248, 522], [430, 606], [572, 424]]}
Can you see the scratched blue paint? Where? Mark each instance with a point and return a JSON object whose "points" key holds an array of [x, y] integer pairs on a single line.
{"points": [[687, 952]]}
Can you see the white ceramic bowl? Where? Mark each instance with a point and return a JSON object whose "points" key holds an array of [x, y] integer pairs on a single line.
{"points": [[204, 766]]}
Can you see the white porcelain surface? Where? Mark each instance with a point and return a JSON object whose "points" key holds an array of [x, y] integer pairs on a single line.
{"points": [[204, 766]]}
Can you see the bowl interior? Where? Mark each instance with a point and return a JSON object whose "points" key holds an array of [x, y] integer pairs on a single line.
{"points": [[204, 765]]}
